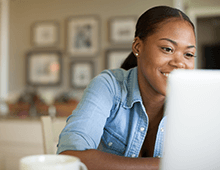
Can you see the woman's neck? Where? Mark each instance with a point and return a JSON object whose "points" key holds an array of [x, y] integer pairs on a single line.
{"points": [[154, 107], [153, 103]]}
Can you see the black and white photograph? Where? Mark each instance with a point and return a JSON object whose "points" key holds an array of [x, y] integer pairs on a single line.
{"points": [[122, 29], [81, 73], [82, 36], [45, 34]]}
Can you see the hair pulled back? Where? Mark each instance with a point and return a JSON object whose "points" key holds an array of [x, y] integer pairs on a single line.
{"points": [[148, 24]]}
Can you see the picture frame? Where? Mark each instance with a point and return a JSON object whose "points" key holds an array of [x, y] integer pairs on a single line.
{"points": [[45, 34], [43, 68], [83, 36], [122, 29], [115, 57], [81, 73]]}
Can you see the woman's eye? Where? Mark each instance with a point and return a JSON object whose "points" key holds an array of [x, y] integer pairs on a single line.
{"points": [[189, 55], [167, 49]]}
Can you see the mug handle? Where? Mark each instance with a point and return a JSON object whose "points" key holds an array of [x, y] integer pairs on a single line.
{"points": [[82, 166]]}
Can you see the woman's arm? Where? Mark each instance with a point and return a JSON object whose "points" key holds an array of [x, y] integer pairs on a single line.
{"points": [[98, 160]]}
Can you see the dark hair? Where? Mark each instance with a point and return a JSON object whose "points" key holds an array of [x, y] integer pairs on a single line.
{"points": [[129, 62], [147, 25]]}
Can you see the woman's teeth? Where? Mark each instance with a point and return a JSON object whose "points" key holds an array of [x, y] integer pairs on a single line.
{"points": [[166, 74]]}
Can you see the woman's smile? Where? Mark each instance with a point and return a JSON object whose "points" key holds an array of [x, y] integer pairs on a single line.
{"points": [[166, 74], [171, 47]]}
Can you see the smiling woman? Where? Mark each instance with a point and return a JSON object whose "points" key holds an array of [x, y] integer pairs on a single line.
{"points": [[119, 122], [171, 47]]}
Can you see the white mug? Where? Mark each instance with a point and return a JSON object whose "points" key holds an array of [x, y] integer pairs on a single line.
{"points": [[51, 162]]}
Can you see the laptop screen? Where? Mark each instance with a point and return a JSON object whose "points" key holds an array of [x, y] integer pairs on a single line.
{"points": [[192, 136]]}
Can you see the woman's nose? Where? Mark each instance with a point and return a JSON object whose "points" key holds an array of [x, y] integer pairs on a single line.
{"points": [[177, 61]]}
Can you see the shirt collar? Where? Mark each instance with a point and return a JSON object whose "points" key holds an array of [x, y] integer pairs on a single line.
{"points": [[133, 89]]}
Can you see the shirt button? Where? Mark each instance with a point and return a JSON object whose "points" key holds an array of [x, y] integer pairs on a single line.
{"points": [[133, 155], [162, 129], [110, 144], [158, 156], [142, 129]]}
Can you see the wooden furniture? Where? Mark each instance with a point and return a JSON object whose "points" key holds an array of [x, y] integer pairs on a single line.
{"points": [[21, 109], [50, 131], [20, 138]]}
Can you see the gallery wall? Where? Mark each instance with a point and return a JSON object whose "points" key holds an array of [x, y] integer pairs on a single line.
{"points": [[24, 13]]}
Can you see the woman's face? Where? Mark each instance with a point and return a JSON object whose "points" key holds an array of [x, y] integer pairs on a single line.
{"points": [[171, 47]]}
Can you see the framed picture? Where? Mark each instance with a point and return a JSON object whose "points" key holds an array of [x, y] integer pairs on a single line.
{"points": [[81, 73], [45, 34], [83, 36], [122, 29], [43, 68], [115, 57]]}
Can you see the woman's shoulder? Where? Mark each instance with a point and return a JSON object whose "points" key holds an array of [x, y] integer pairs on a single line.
{"points": [[114, 80], [119, 74]]}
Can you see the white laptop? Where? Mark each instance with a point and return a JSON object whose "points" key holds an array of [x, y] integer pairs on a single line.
{"points": [[192, 137]]}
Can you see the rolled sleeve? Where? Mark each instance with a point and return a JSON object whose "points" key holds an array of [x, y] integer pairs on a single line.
{"points": [[85, 125]]}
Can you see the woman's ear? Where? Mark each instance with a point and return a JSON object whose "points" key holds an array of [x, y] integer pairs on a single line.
{"points": [[136, 46]]}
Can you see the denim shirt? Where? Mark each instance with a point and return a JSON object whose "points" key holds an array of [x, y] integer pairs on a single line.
{"points": [[110, 117]]}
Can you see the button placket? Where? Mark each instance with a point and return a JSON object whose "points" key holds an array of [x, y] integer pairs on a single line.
{"points": [[142, 129], [139, 136], [110, 144]]}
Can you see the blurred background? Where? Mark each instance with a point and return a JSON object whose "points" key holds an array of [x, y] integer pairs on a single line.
{"points": [[40, 52]]}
